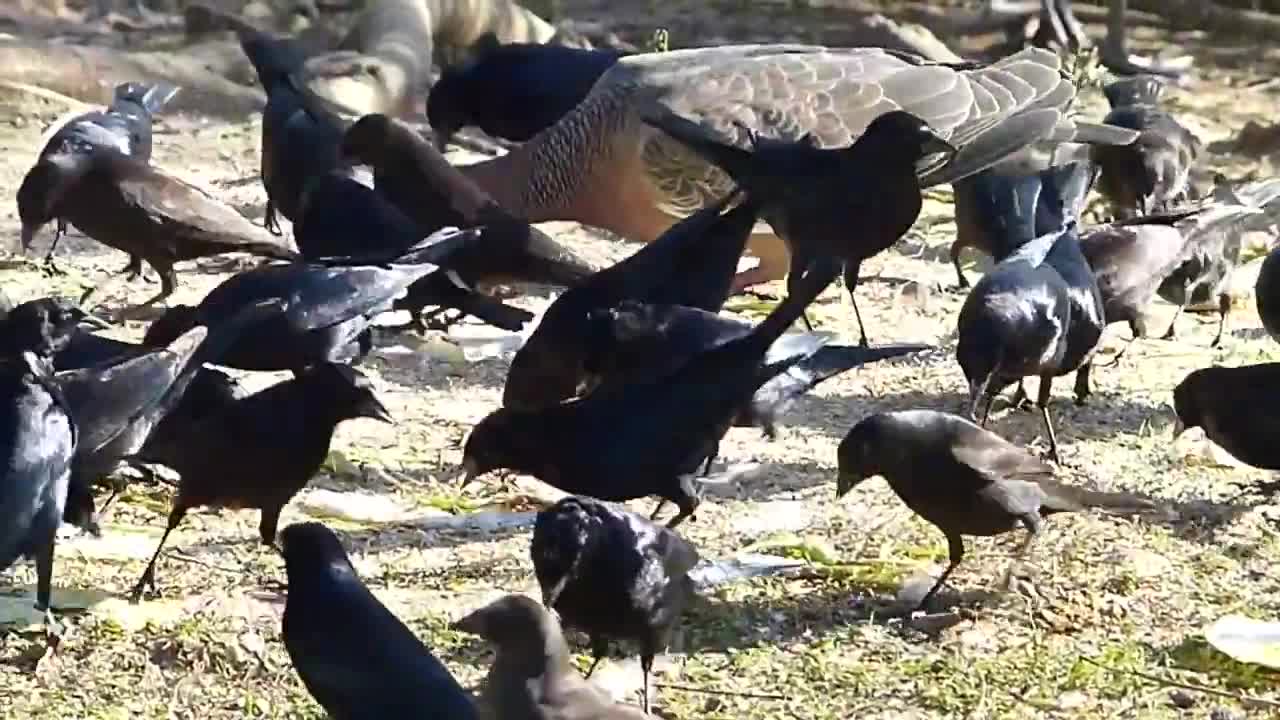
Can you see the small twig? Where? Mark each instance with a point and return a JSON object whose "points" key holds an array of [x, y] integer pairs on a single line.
{"points": [[725, 693], [45, 93], [197, 561], [1242, 699]]}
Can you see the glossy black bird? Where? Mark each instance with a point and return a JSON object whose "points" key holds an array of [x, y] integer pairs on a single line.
{"points": [[1267, 294], [1236, 407], [299, 138], [265, 448], [633, 341], [356, 658], [963, 479], [531, 678], [692, 264], [37, 441], [119, 404], [330, 308], [342, 216], [984, 199], [635, 439], [418, 180], [1205, 274], [513, 91], [1150, 174], [125, 203], [613, 575], [1038, 312], [125, 125], [813, 198]]}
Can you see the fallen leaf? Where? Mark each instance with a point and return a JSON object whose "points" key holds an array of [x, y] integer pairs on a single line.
{"points": [[1246, 640]]}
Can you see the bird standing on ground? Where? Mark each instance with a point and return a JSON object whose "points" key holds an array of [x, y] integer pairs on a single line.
{"points": [[813, 198], [125, 125], [299, 139], [264, 449], [1236, 407], [601, 165], [613, 575], [531, 678], [963, 479], [692, 264], [1152, 173], [356, 658], [635, 439]]}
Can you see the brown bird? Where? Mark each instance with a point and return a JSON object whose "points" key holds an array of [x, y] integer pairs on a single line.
{"points": [[963, 479], [531, 678], [123, 202], [601, 165]]}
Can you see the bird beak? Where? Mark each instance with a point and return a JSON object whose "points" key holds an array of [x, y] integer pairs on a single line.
{"points": [[471, 623], [934, 144], [1179, 427], [373, 408], [93, 320], [468, 471], [846, 481], [28, 234]]}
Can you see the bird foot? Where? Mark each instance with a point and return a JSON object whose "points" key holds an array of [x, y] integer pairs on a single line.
{"points": [[51, 269]]}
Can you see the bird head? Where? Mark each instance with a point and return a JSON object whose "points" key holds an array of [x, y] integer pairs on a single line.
{"points": [[858, 456], [44, 327], [500, 440], [43, 189], [515, 623], [1186, 406], [560, 538], [310, 545], [901, 129], [353, 393], [366, 142]]}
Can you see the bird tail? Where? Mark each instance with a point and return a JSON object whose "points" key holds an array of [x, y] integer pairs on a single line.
{"points": [[151, 96], [719, 152], [831, 360], [493, 312], [274, 59], [1062, 497]]}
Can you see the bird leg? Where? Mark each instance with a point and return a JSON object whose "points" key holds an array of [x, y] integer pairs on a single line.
{"points": [[1082, 388], [1224, 307], [1020, 398], [44, 594], [271, 221], [662, 502], [599, 649], [955, 547], [148, 578], [168, 284], [686, 499], [850, 283], [1032, 523], [962, 282], [1042, 399], [1115, 55], [646, 667], [50, 266], [1171, 332]]}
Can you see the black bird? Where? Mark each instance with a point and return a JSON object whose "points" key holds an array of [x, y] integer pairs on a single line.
{"points": [[1267, 294], [635, 439], [633, 341], [613, 575], [125, 203], [118, 405], [531, 678], [814, 198], [330, 308], [513, 91], [424, 186], [265, 448], [299, 138], [356, 658], [1150, 174], [984, 199], [1236, 407], [125, 125], [963, 479], [1205, 274], [692, 264], [38, 441], [342, 216]]}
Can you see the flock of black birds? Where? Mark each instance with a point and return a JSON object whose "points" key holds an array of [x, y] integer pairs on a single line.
{"points": [[632, 377]]}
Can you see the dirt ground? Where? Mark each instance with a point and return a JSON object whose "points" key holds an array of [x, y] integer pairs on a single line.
{"points": [[1099, 601]]}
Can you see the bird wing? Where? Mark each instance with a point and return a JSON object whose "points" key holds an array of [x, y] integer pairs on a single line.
{"points": [[993, 458], [786, 92], [324, 297], [37, 441]]}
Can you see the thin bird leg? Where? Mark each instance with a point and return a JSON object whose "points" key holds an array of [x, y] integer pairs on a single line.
{"points": [[1171, 332], [1114, 53], [44, 593], [1020, 397], [962, 282], [862, 331], [1033, 531], [148, 578], [49, 265], [133, 268], [1116, 359], [850, 275], [807, 325], [1224, 307], [271, 221], [977, 393], [168, 284], [687, 504], [662, 502], [1046, 382], [646, 667], [599, 649], [1082, 388], [955, 547]]}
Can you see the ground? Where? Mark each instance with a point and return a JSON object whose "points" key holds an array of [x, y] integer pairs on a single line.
{"points": [[1100, 600]]}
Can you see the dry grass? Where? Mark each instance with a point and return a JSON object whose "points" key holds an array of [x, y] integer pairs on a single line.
{"points": [[1128, 595]]}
